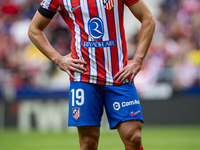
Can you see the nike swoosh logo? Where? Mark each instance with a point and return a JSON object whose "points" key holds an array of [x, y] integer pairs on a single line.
{"points": [[72, 9], [133, 114]]}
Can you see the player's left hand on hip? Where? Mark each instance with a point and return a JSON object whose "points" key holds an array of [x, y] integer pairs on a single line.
{"points": [[131, 69]]}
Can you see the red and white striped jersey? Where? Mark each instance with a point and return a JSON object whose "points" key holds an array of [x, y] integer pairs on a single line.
{"points": [[98, 35]]}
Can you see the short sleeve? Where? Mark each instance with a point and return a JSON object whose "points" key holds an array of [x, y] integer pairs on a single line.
{"points": [[130, 2], [48, 8]]}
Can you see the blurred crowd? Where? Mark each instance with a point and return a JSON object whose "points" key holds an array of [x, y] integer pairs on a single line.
{"points": [[22, 66], [173, 57]]}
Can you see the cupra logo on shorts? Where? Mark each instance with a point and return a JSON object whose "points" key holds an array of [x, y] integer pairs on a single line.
{"points": [[116, 106]]}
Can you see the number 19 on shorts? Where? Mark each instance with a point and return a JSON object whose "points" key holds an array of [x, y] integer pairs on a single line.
{"points": [[77, 97]]}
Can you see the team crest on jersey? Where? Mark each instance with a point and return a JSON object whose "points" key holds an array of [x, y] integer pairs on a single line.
{"points": [[108, 4], [76, 113]]}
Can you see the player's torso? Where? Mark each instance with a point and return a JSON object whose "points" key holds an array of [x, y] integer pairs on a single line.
{"points": [[97, 37]]}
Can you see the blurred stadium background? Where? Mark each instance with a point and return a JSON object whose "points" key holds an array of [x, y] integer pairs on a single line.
{"points": [[34, 92]]}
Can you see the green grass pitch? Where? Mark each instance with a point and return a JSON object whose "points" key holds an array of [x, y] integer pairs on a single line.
{"points": [[154, 138]]}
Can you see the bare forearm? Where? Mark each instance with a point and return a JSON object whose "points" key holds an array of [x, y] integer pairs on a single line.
{"points": [[41, 42], [143, 14], [146, 34]]}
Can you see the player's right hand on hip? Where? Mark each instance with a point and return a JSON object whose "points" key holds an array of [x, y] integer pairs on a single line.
{"points": [[68, 64]]}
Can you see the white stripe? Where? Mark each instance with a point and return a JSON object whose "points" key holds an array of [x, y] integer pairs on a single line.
{"points": [[118, 35], [107, 50], [77, 30], [91, 51]]}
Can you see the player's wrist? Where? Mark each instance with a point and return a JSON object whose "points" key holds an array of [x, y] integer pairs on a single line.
{"points": [[57, 59], [138, 60]]}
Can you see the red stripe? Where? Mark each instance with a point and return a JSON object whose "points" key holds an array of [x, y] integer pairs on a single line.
{"points": [[121, 20], [112, 34]]}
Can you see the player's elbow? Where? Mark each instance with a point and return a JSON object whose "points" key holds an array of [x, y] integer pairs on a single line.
{"points": [[151, 21], [31, 32]]}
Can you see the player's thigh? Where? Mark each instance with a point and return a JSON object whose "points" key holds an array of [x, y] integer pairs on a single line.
{"points": [[122, 104], [85, 104]]}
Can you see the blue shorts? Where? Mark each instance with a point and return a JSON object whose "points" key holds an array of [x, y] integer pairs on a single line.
{"points": [[86, 103]]}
